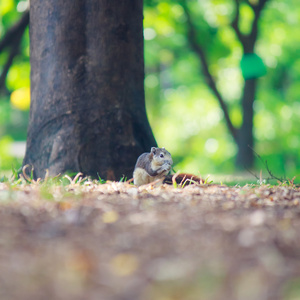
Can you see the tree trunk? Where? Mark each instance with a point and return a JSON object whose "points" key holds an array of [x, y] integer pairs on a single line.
{"points": [[245, 156], [87, 88]]}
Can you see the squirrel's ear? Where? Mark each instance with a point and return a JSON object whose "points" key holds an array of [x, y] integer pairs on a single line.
{"points": [[153, 149]]}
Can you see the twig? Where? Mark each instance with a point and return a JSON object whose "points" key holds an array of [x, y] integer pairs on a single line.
{"points": [[174, 179], [182, 181], [151, 183], [265, 163], [252, 173], [26, 177], [271, 174]]}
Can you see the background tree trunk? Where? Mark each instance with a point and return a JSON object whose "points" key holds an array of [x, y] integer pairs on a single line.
{"points": [[87, 87], [245, 141], [242, 136]]}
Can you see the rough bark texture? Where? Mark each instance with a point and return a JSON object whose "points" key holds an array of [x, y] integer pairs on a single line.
{"points": [[87, 93]]}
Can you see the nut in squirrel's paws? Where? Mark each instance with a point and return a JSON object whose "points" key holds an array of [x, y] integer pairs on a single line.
{"points": [[166, 167]]}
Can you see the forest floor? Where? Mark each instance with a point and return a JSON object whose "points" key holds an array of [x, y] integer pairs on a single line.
{"points": [[85, 240]]}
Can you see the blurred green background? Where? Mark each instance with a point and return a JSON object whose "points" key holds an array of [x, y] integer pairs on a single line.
{"points": [[183, 112]]}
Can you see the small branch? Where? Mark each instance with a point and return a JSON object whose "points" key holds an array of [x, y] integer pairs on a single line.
{"points": [[14, 51], [13, 39], [235, 23], [248, 41], [252, 36], [11, 33], [257, 12], [252, 173], [265, 163], [192, 38]]}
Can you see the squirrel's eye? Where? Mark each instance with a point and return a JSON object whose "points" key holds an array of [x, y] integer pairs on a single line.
{"points": [[161, 155]]}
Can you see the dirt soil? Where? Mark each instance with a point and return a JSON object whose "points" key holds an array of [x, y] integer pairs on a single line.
{"points": [[116, 241]]}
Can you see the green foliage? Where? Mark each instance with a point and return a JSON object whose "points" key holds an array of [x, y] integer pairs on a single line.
{"points": [[13, 121], [183, 113], [185, 116]]}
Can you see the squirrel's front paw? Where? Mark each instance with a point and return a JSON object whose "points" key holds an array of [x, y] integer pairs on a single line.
{"points": [[166, 167]]}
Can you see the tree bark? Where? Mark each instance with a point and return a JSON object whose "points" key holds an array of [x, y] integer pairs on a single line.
{"points": [[87, 109], [245, 141]]}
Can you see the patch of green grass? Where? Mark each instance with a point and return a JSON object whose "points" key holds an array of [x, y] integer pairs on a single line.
{"points": [[291, 290]]}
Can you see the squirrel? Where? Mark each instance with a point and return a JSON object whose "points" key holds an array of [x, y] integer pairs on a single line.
{"points": [[156, 165], [152, 166]]}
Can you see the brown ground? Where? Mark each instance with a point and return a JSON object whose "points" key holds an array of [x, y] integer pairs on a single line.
{"points": [[115, 241]]}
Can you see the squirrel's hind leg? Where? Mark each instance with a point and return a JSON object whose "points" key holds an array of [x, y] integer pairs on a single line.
{"points": [[140, 177]]}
